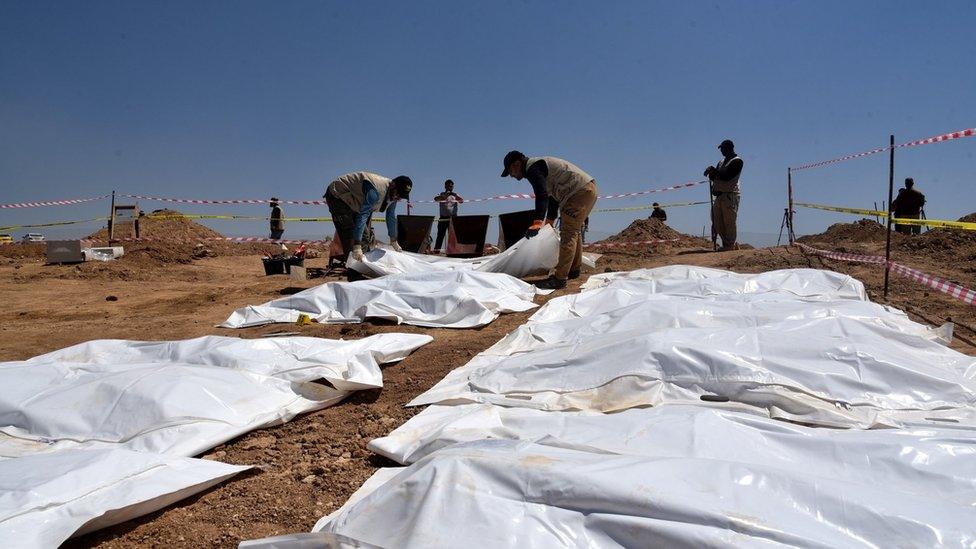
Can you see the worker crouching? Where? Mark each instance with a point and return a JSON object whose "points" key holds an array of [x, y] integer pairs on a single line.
{"points": [[352, 198], [561, 189]]}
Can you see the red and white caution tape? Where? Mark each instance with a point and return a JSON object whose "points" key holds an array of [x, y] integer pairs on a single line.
{"points": [[954, 290], [843, 256], [230, 201], [927, 141], [840, 159], [634, 243], [513, 196], [256, 239], [53, 202], [940, 138]]}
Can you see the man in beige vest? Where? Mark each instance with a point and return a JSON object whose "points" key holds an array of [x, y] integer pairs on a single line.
{"points": [[352, 198], [724, 179], [563, 189]]}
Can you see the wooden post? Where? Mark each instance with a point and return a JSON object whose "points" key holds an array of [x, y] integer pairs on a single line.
{"points": [[891, 192], [111, 221]]}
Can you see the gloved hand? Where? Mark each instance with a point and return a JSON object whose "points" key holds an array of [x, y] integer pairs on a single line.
{"points": [[534, 228], [708, 171], [716, 193], [357, 252], [396, 246], [549, 222]]}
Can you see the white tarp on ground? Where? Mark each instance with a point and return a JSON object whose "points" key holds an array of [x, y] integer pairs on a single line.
{"points": [[798, 344], [181, 397], [437, 299], [504, 493], [47, 498]]}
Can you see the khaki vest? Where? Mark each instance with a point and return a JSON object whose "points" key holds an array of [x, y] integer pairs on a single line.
{"points": [[565, 178], [349, 189], [731, 186]]}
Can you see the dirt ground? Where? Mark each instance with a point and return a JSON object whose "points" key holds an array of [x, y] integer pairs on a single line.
{"points": [[309, 467]]}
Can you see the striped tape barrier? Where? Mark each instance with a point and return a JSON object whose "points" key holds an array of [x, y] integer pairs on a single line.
{"points": [[243, 239], [937, 223], [969, 132], [857, 211], [53, 202], [633, 243], [637, 208], [952, 289], [514, 196], [53, 224]]}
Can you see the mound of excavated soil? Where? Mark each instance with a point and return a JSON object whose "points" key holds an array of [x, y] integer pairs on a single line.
{"points": [[862, 231], [956, 245], [651, 229], [170, 239]]}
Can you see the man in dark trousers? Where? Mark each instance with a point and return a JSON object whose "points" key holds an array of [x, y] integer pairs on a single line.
{"points": [[448, 201], [724, 181], [908, 205], [659, 213], [277, 220], [352, 198], [563, 189]]}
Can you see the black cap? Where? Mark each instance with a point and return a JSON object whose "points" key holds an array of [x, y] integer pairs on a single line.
{"points": [[403, 185], [274, 199], [655, 204], [512, 156], [727, 142]]}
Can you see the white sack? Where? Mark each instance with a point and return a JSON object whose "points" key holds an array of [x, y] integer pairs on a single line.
{"points": [[527, 257], [705, 282], [439, 299], [47, 498], [501, 493], [830, 371], [893, 457], [181, 397]]}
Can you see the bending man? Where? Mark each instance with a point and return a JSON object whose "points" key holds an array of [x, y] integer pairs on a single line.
{"points": [[352, 199], [563, 189]]}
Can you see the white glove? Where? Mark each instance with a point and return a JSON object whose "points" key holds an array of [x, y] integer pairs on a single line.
{"points": [[396, 246], [357, 252]]}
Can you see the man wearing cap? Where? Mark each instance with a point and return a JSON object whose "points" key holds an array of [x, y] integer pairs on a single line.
{"points": [[724, 179], [560, 188], [658, 213], [277, 220], [352, 198]]}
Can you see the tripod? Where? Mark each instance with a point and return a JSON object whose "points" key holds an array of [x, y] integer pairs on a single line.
{"points": [[788, 225]]}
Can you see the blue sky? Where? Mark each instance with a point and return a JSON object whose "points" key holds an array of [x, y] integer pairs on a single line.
{"points": [[252, 99]]}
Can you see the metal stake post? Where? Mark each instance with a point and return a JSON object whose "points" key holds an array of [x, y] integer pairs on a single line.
{"points": [[111, 221], [789, 211], [891, 192]]}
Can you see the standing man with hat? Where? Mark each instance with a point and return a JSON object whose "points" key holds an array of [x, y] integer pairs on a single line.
{"points": [[724, 180], [558, 185], [277, 220], [352, 198]]}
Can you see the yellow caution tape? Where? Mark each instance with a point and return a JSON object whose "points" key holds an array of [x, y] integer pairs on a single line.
{"points": [[856, 211], [939, 223], [53, 224]]}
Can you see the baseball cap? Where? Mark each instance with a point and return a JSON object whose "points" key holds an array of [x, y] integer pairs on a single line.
{"points": [[727, 142], [512, 156], [403, 185]]}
